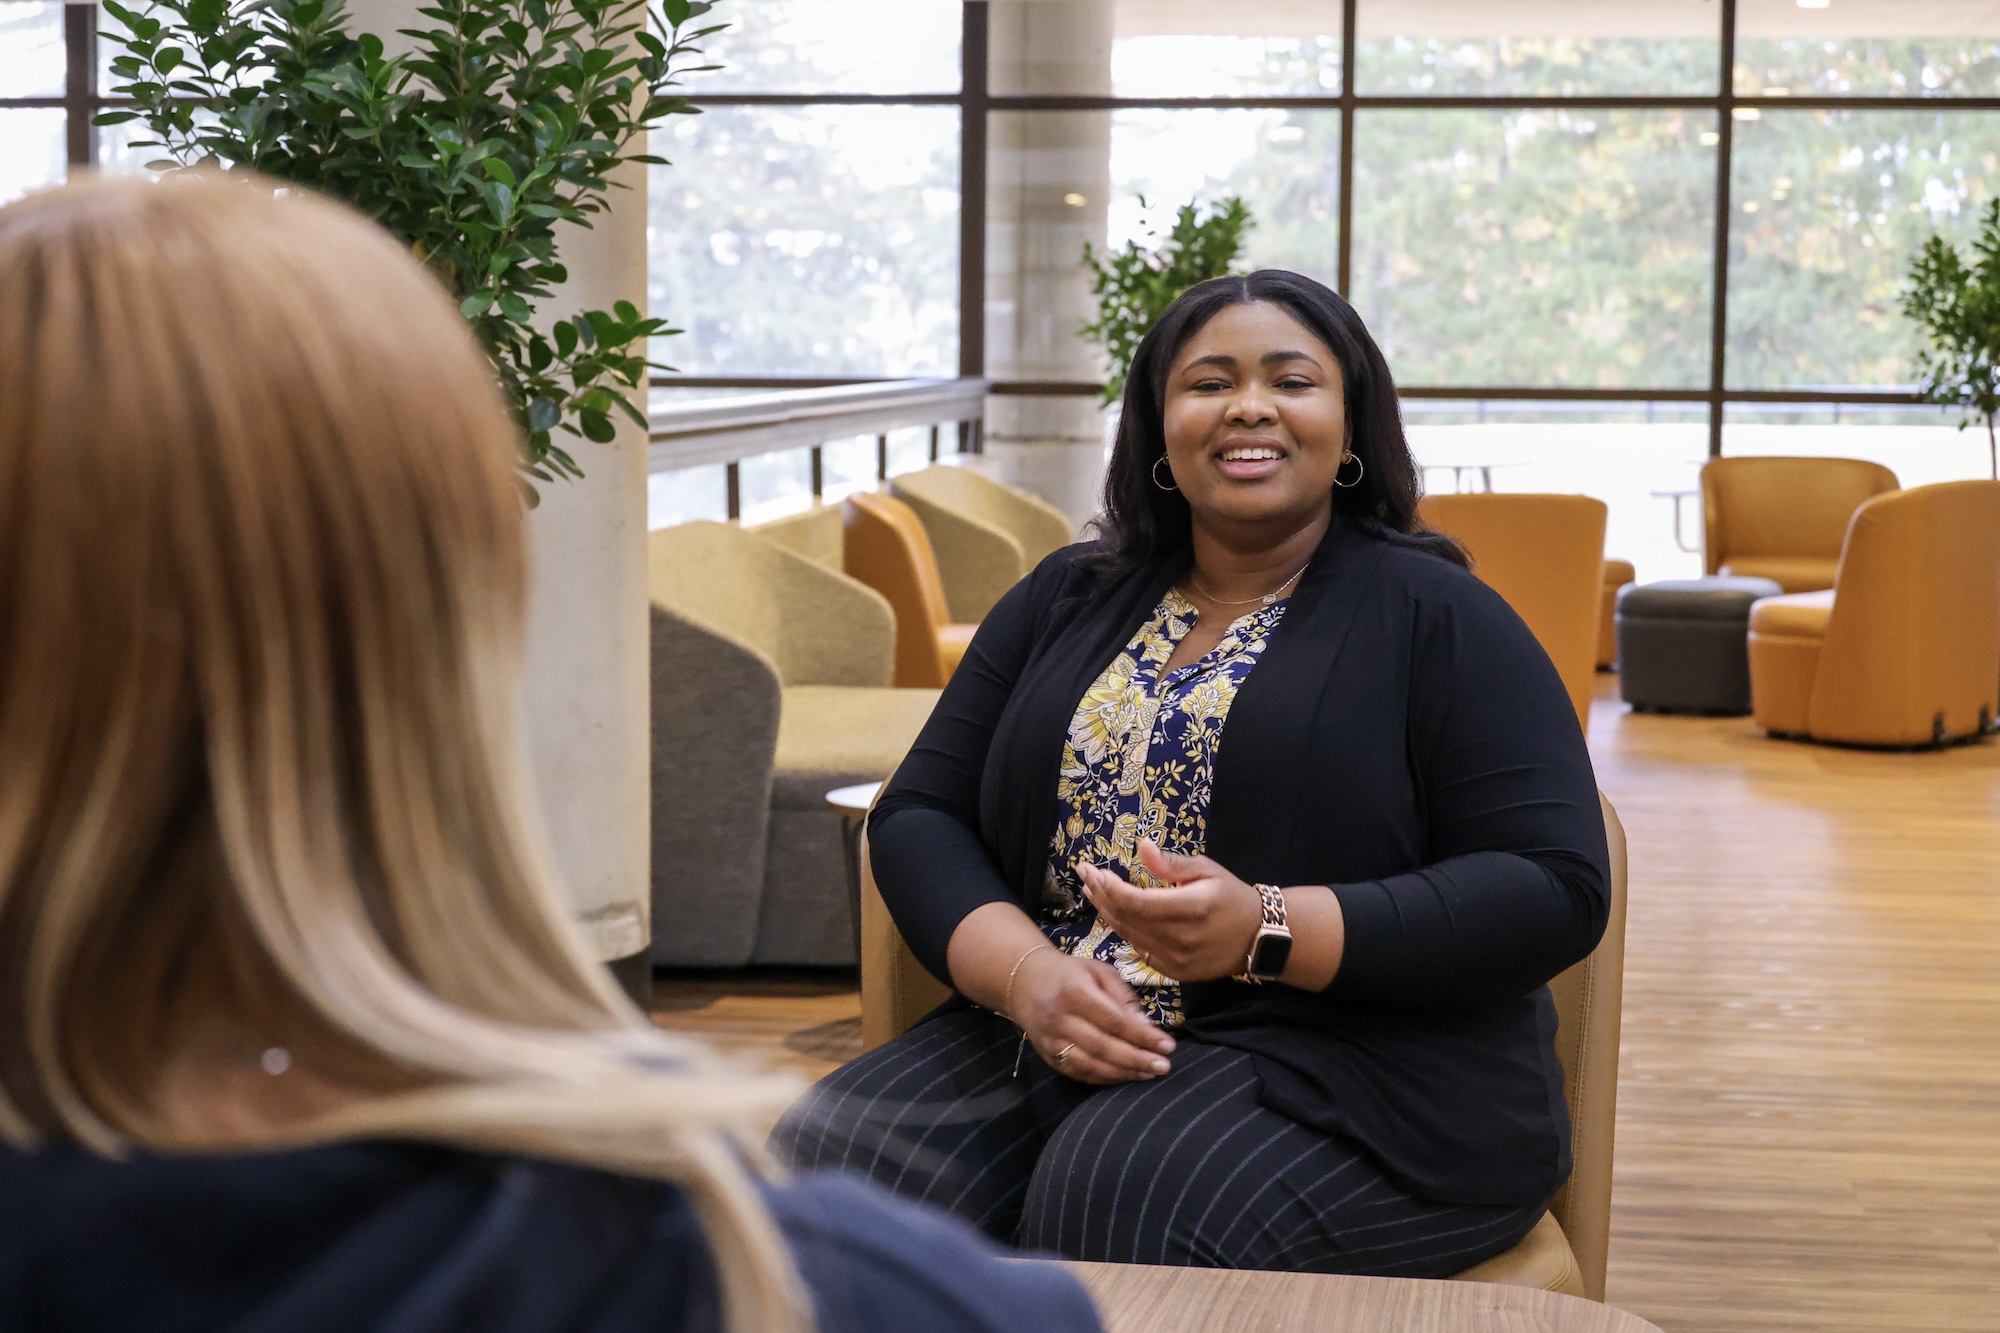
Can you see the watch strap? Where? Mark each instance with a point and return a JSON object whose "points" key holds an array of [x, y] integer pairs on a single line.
{"points": [[1272, 921]]}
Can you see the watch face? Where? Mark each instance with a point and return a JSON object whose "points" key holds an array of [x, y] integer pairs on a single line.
{"points": [[1273, 951]]}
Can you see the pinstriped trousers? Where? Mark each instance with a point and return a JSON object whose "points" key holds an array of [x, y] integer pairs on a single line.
{"points": [[1186, 1169]]}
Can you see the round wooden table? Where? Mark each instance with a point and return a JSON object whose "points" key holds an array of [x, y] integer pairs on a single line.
{"points": [[853, 802], [852, 805], [1142, 1298]]}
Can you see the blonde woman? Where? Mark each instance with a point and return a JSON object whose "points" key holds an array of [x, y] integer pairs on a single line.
{"points": [[294, 1031]]}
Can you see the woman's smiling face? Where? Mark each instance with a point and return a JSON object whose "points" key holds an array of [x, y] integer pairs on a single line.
{"points": [[1255, 419]]}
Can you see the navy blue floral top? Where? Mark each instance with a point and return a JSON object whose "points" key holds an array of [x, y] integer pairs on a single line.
{"points": [[1137, 764]]}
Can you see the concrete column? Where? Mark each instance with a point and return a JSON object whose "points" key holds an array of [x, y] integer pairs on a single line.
{"points": [[586, 691], [586, 694], [1048, 191]]}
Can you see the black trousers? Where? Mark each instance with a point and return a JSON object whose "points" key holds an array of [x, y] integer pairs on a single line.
{"points": [[1185, 1169]]}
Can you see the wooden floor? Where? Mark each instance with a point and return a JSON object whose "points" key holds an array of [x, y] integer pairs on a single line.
{"points": [[1809, 1105]]}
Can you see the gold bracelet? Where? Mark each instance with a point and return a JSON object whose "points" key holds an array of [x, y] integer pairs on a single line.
{"points": [[1007, 996]]}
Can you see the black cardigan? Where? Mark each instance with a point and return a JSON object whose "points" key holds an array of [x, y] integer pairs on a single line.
{"points": [[1403, 739]]}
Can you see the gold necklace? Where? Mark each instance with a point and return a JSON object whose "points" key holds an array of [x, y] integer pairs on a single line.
{"points": [[1266, 598]]}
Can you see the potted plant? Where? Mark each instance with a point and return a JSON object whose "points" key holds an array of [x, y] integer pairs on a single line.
{"points": [[1957, 304], [1135, 285], [505, 118]]}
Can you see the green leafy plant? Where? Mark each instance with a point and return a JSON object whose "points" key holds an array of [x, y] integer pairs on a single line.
{"points": [[1135, 284], [506, 118], [1957, 304]]}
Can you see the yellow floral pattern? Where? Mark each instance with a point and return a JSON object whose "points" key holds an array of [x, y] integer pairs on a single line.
{"points": [[1137, 764]]}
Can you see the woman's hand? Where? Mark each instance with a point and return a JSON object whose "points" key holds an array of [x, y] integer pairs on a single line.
{"points": [[1199, 927], [1084, 1021]]}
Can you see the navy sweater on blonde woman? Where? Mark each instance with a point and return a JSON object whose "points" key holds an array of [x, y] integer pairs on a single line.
{"points": [[409, 1239]]}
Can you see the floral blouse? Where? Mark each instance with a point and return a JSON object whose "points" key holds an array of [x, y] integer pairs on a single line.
{"points": [[1137, 764]]}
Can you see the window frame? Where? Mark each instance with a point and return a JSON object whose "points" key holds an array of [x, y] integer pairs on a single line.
{"points": [[975, 100], [79, 99]]}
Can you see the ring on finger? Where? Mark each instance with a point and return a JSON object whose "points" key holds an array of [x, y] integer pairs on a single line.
{"points": [[1063, 1054]]}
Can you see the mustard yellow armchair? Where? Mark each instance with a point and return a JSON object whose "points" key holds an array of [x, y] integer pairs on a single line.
{"points": [[1783, 519], [1566, 1251], [884, 545], [1617, 573], [1904, 648], [1545, 555]]}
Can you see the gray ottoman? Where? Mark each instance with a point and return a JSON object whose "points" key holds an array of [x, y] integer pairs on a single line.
{"points": [[1683, 645]]}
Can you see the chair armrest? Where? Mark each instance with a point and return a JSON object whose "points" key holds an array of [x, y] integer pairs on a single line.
{"points": [[1590, 997], [715, 737], [895, 989]]}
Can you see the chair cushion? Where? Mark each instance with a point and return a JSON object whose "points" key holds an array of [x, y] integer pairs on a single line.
{"points": [[1791, 573], [834, 735], [1542, 1260], [1725, 599], [1802, 615]]}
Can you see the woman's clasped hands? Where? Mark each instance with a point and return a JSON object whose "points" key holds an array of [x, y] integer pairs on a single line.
{"points": [[1196, 928], [1081, 1015], [1084, 1021]]}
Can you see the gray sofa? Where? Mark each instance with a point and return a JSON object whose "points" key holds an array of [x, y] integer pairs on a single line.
{"points": [[770, 688]]}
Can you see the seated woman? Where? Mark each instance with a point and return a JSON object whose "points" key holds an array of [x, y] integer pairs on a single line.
{"points": [[295, 1030], [1249, 837]]}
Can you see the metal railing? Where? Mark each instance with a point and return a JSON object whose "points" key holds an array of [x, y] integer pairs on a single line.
{"points": [[705, 432]]}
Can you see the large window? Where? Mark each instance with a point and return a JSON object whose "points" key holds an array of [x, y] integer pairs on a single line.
{"points": [[809, 240], [1598, 242], [1829, 206], [1549, 197], [44, 104], [1542, 247], [54, 78], [1668, 229]]}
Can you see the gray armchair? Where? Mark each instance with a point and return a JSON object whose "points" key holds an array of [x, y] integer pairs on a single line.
{"points": [[770, 688]]}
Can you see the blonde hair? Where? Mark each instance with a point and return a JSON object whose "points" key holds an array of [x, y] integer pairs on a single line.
{"points": [[262, 584]]}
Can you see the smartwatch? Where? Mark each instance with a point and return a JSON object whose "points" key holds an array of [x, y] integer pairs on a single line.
{"points": [[1271, 949]]}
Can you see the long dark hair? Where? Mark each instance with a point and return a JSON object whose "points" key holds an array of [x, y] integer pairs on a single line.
{"points": [[1142, 523]]}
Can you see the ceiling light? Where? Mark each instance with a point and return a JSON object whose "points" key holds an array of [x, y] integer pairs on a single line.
{"points": [[1710, 138], [1747, 113], [1075, 200], [1814, 4]]}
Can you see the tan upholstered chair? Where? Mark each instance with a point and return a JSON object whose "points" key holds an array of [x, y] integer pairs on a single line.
{"points": [[771, 688], [1566, 1250], [884, 544], [1617, 573], [814, 534], [1783, 519], [1904, 649], [1545, 555], [986, 535]]}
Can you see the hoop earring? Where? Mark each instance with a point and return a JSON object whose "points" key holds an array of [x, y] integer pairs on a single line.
{"points": [[1360, 469], [1156, 474]]}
